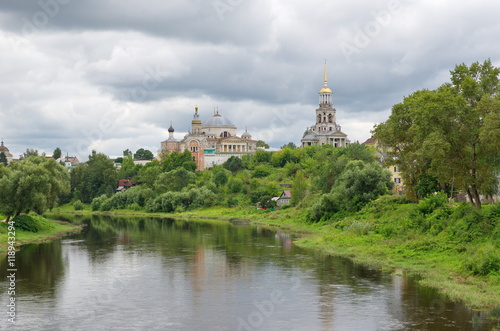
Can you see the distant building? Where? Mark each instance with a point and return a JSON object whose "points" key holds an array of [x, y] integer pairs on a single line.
{"points": [[142, 161], [212, 142], [123, 185], [284, 199], [6, 151], [326, 130], [69, 161]]}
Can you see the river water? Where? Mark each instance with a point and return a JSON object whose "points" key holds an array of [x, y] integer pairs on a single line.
{"points": [[166, 274]]}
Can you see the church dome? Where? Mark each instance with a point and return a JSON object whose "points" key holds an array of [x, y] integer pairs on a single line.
{"points": [[218, 121], [3, 148], [325, 90]]}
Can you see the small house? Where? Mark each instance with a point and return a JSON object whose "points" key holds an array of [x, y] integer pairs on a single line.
{"points": [[284, 199]]}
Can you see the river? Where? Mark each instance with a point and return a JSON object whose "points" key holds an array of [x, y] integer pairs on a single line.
{"points": [[165, 274]]}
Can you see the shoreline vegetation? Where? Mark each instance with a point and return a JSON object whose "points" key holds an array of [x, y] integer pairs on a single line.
{"points": [[377, 236], [45, 230]]}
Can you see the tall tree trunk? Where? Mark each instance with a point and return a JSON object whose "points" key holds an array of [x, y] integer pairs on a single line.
{"points": [[471, 199], [477, 199]]}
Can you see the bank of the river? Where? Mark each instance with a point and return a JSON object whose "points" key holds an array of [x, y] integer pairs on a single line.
{"points": [[435, 260], [50, 230]]}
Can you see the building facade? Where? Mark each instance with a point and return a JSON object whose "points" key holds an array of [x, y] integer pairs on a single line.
{"points": [[326, 130], [211, 142]]}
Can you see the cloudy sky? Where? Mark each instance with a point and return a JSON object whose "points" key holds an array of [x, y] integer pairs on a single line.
{"points": [[111, 74]]}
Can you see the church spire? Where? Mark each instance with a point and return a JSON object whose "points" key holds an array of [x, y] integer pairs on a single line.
{"points": [[325, 78], [325, 94]]}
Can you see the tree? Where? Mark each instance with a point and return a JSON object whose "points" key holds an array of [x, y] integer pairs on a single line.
{"points": [[96, 177], [145, 154], [127, 152], [299, 187], [289, 145], [451, 133], [3, 158], [175, 160], [128, 168], [221, 177], [29, 152], [33, 183], [359, 183], [233, 164], [175, 180], [262, 143], [149, 173], [57, 153]]}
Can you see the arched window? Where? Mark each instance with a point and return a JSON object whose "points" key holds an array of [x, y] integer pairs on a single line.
{"points": [[225, 134]]}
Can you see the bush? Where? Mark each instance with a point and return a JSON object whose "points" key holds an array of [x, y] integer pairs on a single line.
{"points": [[261, 171], [27, 223], [359, 228], [176, 201], [96, 202], [432, 202], [324, 208], [484, 260], [78, 205]]}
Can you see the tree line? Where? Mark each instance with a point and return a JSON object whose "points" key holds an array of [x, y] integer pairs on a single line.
{"points": [[448, 139]]}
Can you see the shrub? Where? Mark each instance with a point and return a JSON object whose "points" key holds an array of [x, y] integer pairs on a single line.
{"points": [[27, 223], [78, 205], [324, 208], [96, 202], [359, 228], [484, 260], [261, 171], [432, 202]]}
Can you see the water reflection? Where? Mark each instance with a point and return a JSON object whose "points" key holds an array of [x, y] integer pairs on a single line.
{"points": [[161, 273]]}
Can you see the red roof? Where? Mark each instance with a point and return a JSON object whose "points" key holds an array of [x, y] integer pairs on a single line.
{"points": [[286, 194], [124, 182]]}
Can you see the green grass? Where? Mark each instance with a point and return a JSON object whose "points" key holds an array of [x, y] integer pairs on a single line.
{"points": [[49, 230]]}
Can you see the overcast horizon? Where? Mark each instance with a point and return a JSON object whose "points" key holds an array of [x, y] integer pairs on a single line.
{"points": [[110, 76]]}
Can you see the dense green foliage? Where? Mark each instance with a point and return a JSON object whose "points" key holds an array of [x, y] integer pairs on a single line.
{"points": [[3, 159], [145, 154], [323, 180], [57, 153], [96, 177], [32, 184], [26, 223], [450, 134]]}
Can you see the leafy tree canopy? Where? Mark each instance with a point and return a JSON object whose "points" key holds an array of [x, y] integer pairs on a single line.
{"points": [[96, 177], [57, 153], [451, 133], [144, 154], [262, 143], [175, 160], [33, 183], [3, 158]]}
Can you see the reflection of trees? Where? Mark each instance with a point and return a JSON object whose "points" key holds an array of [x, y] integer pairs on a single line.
{"points": [[39, 267]]}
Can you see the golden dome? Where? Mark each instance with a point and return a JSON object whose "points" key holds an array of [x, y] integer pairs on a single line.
{"points": [[325, 90]]}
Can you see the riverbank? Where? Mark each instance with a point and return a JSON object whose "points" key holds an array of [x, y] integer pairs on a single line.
{"points": [[386, 236], [50, 230]]}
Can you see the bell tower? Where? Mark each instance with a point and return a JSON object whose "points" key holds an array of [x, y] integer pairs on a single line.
{"points": [[196, 122], [325, 114]]}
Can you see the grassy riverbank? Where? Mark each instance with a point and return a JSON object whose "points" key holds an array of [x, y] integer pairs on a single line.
{"points": [[452, 248], [47, 230], [458, 257]]}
